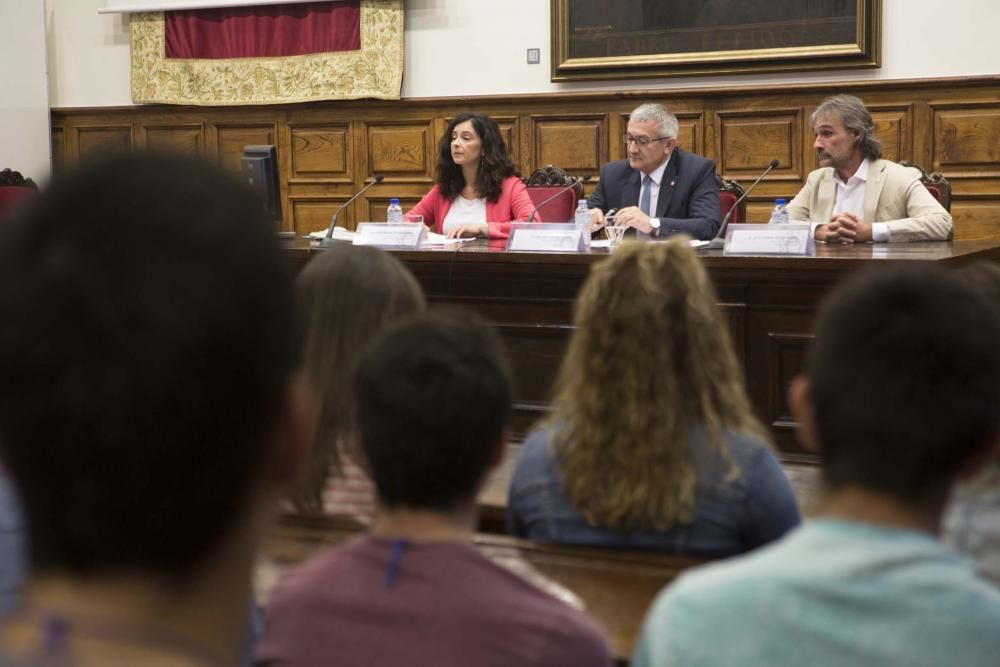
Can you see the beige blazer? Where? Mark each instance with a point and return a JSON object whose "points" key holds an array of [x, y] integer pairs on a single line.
{"points": [[893, 195]]}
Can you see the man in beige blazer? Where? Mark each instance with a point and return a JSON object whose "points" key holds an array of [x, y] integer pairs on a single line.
{"points": [[856, 196]]}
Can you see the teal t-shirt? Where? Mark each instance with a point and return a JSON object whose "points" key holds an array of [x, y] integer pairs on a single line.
{"points": [[829, 593]]}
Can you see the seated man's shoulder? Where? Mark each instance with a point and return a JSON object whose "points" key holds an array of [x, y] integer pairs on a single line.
{"points": [[699, 161]]}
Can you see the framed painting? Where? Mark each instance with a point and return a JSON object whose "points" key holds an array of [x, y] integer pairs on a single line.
{"points": [[615, 39]]}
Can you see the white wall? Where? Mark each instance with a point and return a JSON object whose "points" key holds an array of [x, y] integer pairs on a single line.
{"points": [[477, 47], [24, 98]]}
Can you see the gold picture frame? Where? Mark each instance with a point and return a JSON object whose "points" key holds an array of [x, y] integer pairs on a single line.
{"points": [[628, 39]]}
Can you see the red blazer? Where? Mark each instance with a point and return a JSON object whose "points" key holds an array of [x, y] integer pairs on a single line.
{"points": [[513, 205]]}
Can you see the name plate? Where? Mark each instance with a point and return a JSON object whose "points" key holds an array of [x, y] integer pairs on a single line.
{"points": [[545, 237], [790, 239], [396, 236]]}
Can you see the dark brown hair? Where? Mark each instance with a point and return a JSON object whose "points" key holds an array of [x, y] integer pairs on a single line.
{"points": [[348, 295]]}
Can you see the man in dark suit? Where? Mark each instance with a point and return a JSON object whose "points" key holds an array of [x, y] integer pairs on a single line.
{"points": [[660, 189]]}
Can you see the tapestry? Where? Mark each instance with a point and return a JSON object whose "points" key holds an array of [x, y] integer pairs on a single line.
{"points": [[375, 70]]}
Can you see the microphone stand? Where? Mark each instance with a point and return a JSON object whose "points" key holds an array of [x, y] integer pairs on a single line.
{"points": [[328, 240], [720, 237], [576, 182]]}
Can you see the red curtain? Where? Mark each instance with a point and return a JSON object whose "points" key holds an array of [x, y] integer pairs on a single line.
{"points": [[264, 31]]}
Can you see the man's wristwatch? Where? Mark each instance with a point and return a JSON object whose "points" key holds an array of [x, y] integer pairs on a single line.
{"points": [[655, 224]]}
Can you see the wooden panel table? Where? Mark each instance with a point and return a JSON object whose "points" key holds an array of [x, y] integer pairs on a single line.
{"points": [[769, 304]]}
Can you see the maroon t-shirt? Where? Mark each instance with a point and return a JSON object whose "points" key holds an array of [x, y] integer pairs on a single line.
{"points": [[376, 602]]}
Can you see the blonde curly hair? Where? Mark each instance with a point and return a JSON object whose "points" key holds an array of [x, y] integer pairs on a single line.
{"points": [[650, 362]]}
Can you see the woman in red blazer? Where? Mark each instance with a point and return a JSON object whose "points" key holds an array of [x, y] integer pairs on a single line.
{"points": [[478, 190]]}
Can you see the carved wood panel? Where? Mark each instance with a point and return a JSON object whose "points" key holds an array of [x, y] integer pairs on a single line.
{"points": [[403, 151], [576, 143], [321, 153], [976, 220], [747, 141], [966, 140], [230, 140], [894, 127], [58, 148], [310, 214], [508, 126], [94, 140], [185, 139], [330, 149]]}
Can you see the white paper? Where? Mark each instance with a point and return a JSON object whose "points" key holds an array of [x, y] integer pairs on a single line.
{"points": [[339, 233]]}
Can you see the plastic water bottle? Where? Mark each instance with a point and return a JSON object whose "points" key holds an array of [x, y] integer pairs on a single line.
{"points": [[582, 220], [394, 213], [779, 216]]}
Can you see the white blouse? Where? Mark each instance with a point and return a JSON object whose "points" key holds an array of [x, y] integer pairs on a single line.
{"points": [[464, 212]]}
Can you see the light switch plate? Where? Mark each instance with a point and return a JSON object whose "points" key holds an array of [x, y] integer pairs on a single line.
{"points": [[534, 56]]}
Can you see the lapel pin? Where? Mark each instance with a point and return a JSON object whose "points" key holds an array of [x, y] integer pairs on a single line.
{"points": [[673, 183]]}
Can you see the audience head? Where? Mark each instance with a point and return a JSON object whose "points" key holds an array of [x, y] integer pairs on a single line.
{"points": [[984, 278], [847, 115], [349, 294], [146, 363], [902, 383], [473, 139], [649, 366], [651, 136], [10, 178], [434, 397]]}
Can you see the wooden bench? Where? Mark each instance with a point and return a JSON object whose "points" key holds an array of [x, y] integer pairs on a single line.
{"points": [[616, 587]]}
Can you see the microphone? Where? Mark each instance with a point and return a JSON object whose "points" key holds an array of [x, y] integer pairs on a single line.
{"points": [[720, 238], [328, 239], [581, 179]]}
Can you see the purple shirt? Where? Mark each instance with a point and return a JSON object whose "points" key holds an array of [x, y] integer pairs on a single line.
{"points": [[376, 601]]}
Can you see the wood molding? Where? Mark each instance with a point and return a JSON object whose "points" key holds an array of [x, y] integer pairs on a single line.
{"points": [[326, 150]]}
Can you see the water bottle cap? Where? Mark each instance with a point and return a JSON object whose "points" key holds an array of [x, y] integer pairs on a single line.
{"points": [[394, 201], [581, 202], [779, 202]]}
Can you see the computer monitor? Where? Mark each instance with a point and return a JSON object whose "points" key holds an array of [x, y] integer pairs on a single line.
{"points": [[260, 168]]}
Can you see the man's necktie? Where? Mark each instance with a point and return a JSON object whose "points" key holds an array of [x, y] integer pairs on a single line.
{"points": [[644, 200]]}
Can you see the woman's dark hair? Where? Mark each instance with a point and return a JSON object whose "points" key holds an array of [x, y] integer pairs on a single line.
{"points": [[493, 168]]}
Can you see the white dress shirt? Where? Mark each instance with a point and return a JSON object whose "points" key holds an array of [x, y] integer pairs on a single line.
{"points": [[851, 199]]}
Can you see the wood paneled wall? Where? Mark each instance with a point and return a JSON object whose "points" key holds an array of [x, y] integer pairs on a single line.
{"points": [[327, 150]]}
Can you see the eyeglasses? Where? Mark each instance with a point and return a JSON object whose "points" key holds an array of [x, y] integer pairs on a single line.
{"points": [[642, 142]]}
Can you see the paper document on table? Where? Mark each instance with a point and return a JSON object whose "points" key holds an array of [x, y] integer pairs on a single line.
{"points": [[434, 239], [339, 234]]}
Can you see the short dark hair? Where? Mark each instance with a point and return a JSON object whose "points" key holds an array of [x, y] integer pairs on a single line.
{"points": [[905, 375], [434, 397], [495, 166], [148, 341]]}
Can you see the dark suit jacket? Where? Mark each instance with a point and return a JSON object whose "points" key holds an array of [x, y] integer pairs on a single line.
{"points": [[689, 197]]}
